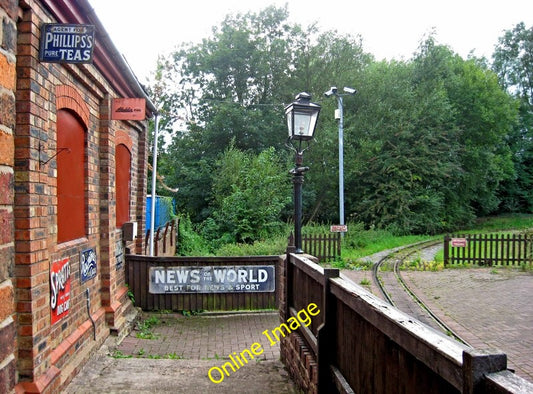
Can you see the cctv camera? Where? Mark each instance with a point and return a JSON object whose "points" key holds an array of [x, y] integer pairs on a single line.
{"points": [[331, 92], [350, 90]]}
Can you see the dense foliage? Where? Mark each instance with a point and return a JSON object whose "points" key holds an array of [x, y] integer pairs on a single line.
{"points": [[430, 143]]}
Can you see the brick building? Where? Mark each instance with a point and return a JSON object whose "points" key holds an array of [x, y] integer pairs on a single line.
{"points": [[70, 178]]}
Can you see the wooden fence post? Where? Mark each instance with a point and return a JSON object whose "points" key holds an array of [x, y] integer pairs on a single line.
{"points": [[156, 242], [446, 250], [477, 364], [287, 289], [325, 335], [338, 245]]}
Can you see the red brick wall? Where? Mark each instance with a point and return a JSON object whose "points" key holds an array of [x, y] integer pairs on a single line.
{"points": [[7, 126], [48, 354], [294, 353]]}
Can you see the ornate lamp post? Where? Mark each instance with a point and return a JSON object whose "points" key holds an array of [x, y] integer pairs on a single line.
{"points": [[302, 116]]}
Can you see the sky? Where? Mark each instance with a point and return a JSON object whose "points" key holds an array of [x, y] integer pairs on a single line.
{"points": [[390, 29]]}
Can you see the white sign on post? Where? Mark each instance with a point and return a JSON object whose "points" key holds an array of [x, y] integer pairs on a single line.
{"points": [[339, 228]]}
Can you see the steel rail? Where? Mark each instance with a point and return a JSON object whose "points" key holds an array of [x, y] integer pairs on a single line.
{"points": [[400, 259]]}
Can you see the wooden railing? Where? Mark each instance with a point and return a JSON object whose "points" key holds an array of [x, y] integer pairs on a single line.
{"points": [[164, 239], [488, 249], [360, 344]]}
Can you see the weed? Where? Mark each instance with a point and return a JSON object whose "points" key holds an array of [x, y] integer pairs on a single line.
{"points": [[145, 328], [192, 312], [119, 354], [365, 282], [131, 295], [141, 352], [173, 356], [146, 335]]}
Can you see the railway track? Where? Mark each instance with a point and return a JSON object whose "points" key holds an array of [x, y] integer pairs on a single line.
{"points": [[387, 277]]}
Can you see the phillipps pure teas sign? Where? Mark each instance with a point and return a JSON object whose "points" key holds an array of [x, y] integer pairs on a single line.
{"points": [[212, 279], [59, 289], [64, 43]]}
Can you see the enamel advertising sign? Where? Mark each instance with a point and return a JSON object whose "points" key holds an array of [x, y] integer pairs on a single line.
{"points": [[87, 265], [212, 279], [59, 289], [66, 43]]}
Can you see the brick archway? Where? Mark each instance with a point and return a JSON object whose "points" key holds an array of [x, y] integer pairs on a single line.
{"points": [[122, 137], [68, 97]]}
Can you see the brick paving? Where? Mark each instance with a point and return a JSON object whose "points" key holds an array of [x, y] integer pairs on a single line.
{"points": [[203, 337], [181, 354], [490, 308]]}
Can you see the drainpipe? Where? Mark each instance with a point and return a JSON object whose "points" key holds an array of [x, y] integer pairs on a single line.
{"points": [[89, 312], [154, 175]]}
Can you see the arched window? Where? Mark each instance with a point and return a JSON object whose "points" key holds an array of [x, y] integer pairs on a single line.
{"points": [[123, 180], [70, 177]]}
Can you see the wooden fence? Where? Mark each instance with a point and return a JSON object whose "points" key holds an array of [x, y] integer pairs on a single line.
{"points": [[164, 239], [360, 344], [488, 249], [325, 247], [138, 279]]}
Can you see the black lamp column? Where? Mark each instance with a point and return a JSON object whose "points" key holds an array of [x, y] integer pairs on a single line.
{"points": [[298, 179], [302, 116]]}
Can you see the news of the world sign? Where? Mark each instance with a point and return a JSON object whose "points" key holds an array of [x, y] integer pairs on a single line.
{"points": [[212, 279]]}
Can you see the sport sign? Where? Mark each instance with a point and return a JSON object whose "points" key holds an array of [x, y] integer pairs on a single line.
{"points": [[66, 43], [212, 279], [59, 289]]}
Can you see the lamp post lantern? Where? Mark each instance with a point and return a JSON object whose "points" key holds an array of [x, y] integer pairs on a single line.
{"points": [[302, 117], [339, 114]]}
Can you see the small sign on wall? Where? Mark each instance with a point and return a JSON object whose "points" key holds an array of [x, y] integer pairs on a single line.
{"points": [[119, 255], [87, 265], [128, 109], [59, 289]]}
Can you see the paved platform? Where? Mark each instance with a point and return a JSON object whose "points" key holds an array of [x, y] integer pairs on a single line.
{"points": [[490, 308], [176, 354]]}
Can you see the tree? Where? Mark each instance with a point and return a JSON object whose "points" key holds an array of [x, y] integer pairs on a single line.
{"points": [[323, 60], [430, 149], [226, 90], [426, 140], [513, 62], [249, 193], [483, 114], [401, 155]]}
